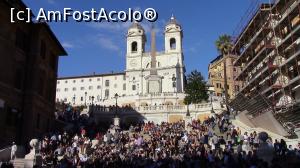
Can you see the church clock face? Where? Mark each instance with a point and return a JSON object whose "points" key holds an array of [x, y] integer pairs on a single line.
{"points": [[133, 63]]}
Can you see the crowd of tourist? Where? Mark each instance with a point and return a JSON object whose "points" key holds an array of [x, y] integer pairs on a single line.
{"points": [[111, 108], [214, 142], [66, 112]]}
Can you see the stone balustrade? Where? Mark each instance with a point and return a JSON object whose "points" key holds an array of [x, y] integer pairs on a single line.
{"points": [[165, 94], [155, 108]]}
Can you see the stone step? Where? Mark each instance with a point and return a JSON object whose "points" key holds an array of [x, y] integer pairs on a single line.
{"points": [[19, 163], [246, 128], [23, 163]]}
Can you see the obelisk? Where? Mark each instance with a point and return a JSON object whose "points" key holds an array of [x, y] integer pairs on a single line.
{"points": [[153, 70], [154, 81]]}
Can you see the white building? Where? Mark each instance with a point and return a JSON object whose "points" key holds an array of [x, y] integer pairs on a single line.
{"points": [[134, 86], [152, 84]]}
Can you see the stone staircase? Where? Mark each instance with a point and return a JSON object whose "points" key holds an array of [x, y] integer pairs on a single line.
{"points": [[24, 163], [5, 153], [239, 103], [245, 128], [19, 163], [254, 106], [21, 160], [290, 117]]}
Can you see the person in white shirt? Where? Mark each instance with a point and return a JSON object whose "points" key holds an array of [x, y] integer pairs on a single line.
{"points": [[76, 138], [13, 151]]}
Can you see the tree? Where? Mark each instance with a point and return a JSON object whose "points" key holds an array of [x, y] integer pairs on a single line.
{"points": [[195, 88], [224, 46]]}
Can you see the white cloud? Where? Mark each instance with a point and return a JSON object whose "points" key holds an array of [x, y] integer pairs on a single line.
{"points": [[137, 8], [107, 43], [194, 48], [110, 26], [51, 1], [67, 45]]}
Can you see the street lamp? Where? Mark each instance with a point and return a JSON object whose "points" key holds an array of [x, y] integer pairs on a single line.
{"points": [[211, 89], [93, 100], [74, 99], [116, 97], [92, 111], [223, 97], [223, 93], [188, 110], [85, 93]]}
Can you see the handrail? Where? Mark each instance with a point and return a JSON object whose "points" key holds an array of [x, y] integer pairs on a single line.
{"points": [[7, 147]]}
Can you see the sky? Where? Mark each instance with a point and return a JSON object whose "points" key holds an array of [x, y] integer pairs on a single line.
{"points": [[101, 47]]}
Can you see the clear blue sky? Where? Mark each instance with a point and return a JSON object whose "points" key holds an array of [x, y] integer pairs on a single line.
{"points": [[100, 47]]}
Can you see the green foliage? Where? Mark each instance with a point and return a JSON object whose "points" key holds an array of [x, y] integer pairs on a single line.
{"points": [[224, 44], [195, 88]]}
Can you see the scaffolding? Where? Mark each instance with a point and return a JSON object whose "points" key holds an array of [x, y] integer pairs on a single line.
{"points": [[268, 46]]}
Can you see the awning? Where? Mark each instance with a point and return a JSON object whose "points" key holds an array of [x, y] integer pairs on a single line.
{"points": [[2, 102]]}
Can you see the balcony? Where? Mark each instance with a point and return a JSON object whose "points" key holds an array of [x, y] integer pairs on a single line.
{"points": [[259, 73], [286, 11], [263, 52], [264, 29], [274, 94], [254, 23], [287, 40], [266, 89], [292, 57], [292, 81]]}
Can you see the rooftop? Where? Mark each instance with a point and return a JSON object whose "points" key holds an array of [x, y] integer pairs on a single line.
{"points": [[92, 75]]}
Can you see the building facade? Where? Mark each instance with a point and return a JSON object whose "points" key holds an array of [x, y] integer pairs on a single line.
{"points": [[216, 75], [269, 57], [268, 51], [29, 58], [134, 86]]}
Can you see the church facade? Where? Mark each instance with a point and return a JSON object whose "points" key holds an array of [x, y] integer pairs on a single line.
{"points": [[150, 78]]}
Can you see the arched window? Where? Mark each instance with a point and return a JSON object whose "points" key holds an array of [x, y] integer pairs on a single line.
{"points": [[172, 43], [134, 46]]}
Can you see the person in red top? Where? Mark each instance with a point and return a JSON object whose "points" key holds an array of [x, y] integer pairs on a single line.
{"points": [[83, 132]]}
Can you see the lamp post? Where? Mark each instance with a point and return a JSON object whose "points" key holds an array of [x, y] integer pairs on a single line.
{"points": [[85, 93], [92, 111], [93, 100], [116, 97], [210, 89], [74, 99], [212, 107], [223, 97], [188, 118], [188, 110]]}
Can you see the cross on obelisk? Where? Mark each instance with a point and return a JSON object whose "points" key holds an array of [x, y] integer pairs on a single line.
{"points": [[153, 70]]}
